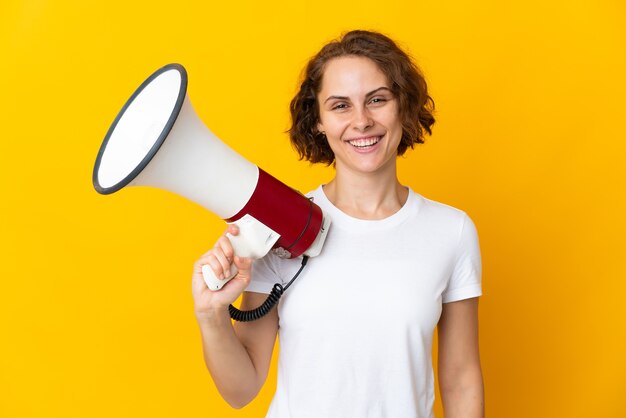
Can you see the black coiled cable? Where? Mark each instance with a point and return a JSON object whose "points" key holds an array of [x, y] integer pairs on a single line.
{"points": [[270, 302], [253, 315]]}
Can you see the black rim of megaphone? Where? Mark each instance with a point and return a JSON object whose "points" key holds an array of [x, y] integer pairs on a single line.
{"points": [[157, 145]]}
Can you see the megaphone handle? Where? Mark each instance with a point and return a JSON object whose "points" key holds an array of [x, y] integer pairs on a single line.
{"points": [[254, 240], [212, 281]]}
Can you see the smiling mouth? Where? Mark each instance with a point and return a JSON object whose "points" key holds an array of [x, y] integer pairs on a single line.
{"points": [[365, 142]]}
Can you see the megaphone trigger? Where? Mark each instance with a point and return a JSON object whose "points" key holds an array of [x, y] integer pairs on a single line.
{"points": [[254, 240]]}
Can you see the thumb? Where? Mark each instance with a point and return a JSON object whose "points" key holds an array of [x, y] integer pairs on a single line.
{"points": [[241, 281], [244, 265]]}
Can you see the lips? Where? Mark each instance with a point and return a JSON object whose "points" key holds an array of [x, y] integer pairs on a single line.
{"points": [[364, 142]]}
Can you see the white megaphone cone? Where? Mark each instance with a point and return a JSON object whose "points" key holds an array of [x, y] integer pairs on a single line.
{"points": [[158, 140]]}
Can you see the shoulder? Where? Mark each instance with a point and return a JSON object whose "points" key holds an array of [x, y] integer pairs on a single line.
{"points": [[445, 223], [439, 212], [316, 194]]}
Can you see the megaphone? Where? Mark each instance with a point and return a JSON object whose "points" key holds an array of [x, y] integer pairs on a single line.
{"points": [[158, 140]]}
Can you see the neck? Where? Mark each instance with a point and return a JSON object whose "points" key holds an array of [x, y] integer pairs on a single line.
{"points": [[366, 195]]}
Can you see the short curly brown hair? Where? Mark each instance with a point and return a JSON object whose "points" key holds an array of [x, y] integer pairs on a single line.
{"points": [[408, 85]]}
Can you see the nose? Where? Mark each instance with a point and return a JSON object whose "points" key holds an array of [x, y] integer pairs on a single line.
{"points": [[362, 119]]}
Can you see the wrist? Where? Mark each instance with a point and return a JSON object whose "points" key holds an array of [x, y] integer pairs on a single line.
{"points": [[213, 316]]}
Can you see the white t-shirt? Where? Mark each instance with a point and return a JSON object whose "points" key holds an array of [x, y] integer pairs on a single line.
{"points": [[356, 327]]}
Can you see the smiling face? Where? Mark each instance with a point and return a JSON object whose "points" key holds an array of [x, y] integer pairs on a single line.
{"points": [[359, 115]]}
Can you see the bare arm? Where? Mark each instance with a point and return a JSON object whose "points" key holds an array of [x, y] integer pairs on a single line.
{"points": [[460, 376], [238, 358]]}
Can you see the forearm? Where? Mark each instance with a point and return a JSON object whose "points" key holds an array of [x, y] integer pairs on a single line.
{"points": [[227, 360], [463, 396]]}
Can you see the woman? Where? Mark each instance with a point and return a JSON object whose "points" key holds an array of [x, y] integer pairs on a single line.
{"points": [[356, 327]]}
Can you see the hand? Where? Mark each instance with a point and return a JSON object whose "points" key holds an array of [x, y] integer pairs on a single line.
{"points": [[220, 258]]}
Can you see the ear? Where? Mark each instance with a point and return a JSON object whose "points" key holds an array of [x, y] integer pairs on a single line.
{"points": [[320, 128]]}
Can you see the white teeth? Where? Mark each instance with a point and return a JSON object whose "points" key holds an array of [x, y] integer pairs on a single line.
{"points": [[364, 142]]}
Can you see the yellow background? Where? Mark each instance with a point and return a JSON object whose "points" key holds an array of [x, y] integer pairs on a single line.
{"points": [[96, 316]]}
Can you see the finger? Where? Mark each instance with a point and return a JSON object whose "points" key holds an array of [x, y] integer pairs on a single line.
{"points": [[224, 262], [223, 244], [215, 265], [224, 252], [232, 229], [204, 259], [238, 284]]}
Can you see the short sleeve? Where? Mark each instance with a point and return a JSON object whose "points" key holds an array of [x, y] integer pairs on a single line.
{"points": [[265, 273], [465, 281]]}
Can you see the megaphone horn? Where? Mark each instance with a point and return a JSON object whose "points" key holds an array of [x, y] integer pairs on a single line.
{"points": [[158, 140]]}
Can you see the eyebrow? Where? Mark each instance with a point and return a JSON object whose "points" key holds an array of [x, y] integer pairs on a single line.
{"points": [[371, 93]]}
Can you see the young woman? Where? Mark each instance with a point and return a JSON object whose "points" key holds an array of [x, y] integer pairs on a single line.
{"points": [[356, 327]]}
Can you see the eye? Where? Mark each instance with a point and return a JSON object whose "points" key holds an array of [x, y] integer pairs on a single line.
{"points": [[339, 106], [378, 100]]}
